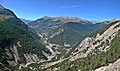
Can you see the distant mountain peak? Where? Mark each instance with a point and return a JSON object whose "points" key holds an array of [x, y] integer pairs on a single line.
{"points": [[46, 17], [67, 17], [1, 7], [63, 18]]}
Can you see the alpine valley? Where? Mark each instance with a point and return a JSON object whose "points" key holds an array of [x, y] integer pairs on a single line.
{"points": [[62, 43]]}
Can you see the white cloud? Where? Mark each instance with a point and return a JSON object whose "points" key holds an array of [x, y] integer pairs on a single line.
{"points": [[67, 7]]}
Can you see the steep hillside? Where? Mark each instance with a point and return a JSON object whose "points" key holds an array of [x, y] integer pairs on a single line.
{"points": [[99, 52], [18, 44]]}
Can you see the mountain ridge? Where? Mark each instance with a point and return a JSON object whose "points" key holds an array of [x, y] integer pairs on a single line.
{"points": [[62, 36], [1, 7]]}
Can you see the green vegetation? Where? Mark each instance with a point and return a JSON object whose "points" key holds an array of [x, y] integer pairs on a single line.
{"points": [[73, 32], [13, 30], [94, 61]]}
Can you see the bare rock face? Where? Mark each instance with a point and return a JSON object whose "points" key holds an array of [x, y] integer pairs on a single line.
{"points": [[31, 58], [99, 42], [13, 55]]}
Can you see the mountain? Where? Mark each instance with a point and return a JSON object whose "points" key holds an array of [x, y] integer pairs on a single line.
{"points": [[19, 45], [67, 19], [58, 44], [63, 33], [64, 28], [98, 52], [26, 21]]}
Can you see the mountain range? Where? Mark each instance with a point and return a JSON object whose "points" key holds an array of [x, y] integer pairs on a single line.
{"points": [[58, 44]]}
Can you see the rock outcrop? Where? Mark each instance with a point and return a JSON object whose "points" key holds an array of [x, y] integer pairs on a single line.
{"points": [[31, 58], [100, 42]]}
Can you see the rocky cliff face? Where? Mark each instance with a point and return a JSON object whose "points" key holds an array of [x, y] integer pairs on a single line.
{"points": [[98, 52], [98, 43], [31, 58]]}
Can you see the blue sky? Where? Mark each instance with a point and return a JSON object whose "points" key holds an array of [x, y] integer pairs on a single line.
{"points": [[87, 9]]}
